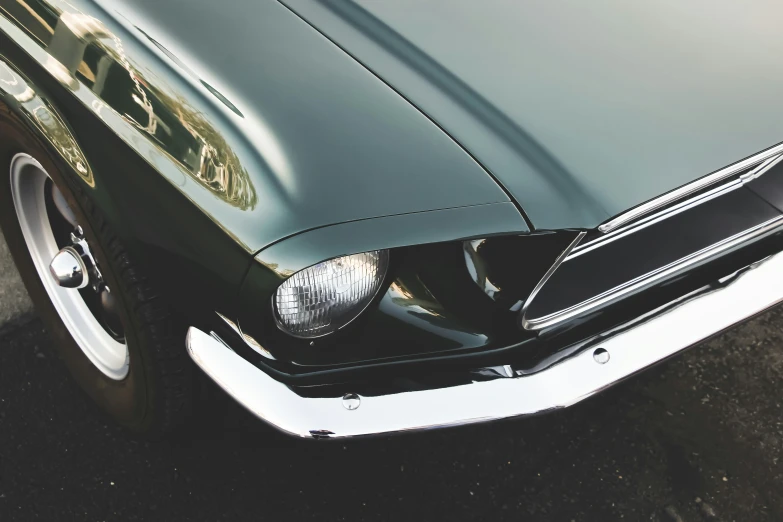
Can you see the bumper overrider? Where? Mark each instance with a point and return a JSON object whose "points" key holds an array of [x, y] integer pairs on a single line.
{"points": [[730, 230]]}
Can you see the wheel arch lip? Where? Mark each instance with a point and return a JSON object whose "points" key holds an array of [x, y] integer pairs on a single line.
{"points": [[257, 172]]}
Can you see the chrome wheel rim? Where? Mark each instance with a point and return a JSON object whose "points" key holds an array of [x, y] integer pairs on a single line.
{"points": [[28, 191]]}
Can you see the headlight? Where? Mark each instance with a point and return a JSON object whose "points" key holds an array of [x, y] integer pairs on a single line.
{"points": [[325, 297]]}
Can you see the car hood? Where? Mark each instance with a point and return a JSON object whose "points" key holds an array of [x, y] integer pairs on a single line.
{"points": [[264, 124], [580, 109]]}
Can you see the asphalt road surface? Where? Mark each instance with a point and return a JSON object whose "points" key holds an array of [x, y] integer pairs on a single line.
{"points": [[14, 302], [697, 438]]}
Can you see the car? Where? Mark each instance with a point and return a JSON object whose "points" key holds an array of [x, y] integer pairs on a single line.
{"points": [[363, 218]]}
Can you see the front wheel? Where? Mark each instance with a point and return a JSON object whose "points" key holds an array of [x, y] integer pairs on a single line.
{"points": [[115, 333]]}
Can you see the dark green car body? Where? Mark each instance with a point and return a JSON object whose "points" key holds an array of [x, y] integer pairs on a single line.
{"points": [[231, 144]]}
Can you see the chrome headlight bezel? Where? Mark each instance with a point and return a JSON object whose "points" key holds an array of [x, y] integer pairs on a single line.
{"points": [[337, 306]]}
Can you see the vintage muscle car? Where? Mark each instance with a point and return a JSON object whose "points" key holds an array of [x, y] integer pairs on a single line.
{"points": [[363, 217]]}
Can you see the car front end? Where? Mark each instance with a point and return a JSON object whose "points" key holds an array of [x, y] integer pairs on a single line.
{"points": [[472, 329], [366, 219]]}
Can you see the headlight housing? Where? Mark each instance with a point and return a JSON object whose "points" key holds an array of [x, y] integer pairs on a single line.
{"points": [[325, 297]]}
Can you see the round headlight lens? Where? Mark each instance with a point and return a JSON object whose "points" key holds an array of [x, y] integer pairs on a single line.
{"points": [[325, 297]]}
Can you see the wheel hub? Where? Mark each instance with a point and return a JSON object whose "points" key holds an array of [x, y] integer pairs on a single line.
{"points": [[75, 267], [68, 269], [91, 273]]}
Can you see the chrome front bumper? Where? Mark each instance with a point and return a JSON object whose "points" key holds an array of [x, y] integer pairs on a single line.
{"points": [[649, 339]]}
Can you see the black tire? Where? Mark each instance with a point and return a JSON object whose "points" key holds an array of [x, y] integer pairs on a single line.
{"points": [[155, 396]]}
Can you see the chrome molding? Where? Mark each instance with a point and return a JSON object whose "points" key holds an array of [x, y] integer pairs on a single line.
{"points": [[701, 183], [654, 218], [645, 222], [559, 261], [249, 341], [650, 278], [609, 359], [765, 166]]}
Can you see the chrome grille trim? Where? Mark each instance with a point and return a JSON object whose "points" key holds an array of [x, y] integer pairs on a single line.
{"points": [[650, 278], [695, 186], [762, 167], [559, 261]]}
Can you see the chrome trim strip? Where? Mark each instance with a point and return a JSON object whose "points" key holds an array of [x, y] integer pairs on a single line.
{"points": [[656, 275], [701, 183], [249, 341], [734, 184], [761, 169], [647, 340], [655, 218], [552, 269]]}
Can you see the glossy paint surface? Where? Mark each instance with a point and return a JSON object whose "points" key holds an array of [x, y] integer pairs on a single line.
{"points": [[170, 240], [581, 109], [306, 249], [212, 133], [21, 94], [177, 161], [268, 139]]}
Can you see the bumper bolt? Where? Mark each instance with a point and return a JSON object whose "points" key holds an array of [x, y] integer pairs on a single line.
{"points": [[351, 401], [601, 355]]}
